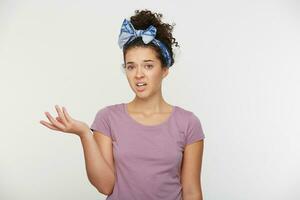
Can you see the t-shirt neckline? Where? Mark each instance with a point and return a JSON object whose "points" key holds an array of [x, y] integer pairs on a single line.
{"points": [[165, 122]]}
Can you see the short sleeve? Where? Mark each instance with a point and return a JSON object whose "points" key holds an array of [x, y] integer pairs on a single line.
{"points": [[101, 122], [194, 130]]}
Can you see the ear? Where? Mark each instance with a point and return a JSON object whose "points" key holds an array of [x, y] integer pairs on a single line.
{"points": [[165, 71]]}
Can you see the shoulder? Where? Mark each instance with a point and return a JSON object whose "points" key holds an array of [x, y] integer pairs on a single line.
{"points": [[191, 124], [185, 115], [187, 119], [110, 107], [108, 110]]}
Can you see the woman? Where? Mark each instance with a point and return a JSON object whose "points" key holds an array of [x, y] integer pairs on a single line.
{"points": [[145, 149]]}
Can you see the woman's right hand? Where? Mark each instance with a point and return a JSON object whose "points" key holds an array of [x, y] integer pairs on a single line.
{"points": [[65, 123]]}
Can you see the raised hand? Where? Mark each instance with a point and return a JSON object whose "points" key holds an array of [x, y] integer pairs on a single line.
{"points": [[65, 123]]}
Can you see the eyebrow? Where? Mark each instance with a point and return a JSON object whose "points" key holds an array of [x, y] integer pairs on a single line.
{"points": [[143, 60]]}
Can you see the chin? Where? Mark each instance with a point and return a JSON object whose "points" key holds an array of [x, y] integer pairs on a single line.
{"points": [[142, 94]]}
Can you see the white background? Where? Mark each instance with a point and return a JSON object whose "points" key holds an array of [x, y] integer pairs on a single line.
{"points": [[237, 70]]}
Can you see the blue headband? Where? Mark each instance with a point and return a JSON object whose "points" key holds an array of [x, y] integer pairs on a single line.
{"points": [[128, 33]]}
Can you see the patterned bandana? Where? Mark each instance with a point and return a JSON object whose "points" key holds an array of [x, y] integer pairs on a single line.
{"points": [[128, 33]]}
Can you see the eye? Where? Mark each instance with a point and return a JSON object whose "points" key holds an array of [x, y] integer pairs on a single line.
{"points": [[129, 67], [149, 66]]}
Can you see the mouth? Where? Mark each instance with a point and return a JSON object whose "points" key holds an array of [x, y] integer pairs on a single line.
{"points": [[140, 87]]}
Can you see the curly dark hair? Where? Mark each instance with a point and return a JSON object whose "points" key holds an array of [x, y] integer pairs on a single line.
{"points": [[141, 21]]}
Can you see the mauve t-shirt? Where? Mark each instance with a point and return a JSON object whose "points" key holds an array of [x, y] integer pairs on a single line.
{"points": [[147, 157]]}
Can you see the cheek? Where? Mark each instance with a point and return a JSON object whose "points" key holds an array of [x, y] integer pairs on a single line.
{"points": [[155, 79]]}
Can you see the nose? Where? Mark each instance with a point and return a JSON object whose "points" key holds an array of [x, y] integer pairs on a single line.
{"points": [[139, 72]]}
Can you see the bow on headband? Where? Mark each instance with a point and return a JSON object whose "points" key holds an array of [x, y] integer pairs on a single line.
{"points": [[128, 33]]}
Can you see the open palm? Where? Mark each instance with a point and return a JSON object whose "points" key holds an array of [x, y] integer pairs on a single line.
{"points": [[65, 123]]}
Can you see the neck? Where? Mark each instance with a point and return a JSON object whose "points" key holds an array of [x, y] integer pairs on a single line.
{"points": [[155, 104]]}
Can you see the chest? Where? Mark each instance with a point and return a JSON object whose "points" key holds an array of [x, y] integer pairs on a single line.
{"points": [[149, 120], [138, 148]]}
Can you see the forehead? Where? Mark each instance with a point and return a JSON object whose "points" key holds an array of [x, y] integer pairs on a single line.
{"points": [[138, 54]]}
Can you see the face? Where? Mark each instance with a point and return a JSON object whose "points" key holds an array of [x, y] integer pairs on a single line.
{"points": [[142, 65]]}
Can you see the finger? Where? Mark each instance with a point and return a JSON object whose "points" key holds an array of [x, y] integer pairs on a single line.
{"points": [[58, 119], [54, 122], [68, 117], [49, 125], [61, 115]]}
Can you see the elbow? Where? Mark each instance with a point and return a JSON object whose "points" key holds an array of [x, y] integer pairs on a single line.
{"points": [[106, 189], [104, 185], [102, 191]]}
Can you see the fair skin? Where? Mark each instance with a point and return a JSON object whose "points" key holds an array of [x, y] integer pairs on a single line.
{"points": [[149, 108]]}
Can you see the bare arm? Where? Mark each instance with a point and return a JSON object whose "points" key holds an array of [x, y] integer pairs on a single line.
{"points": [[191, 171], [99, 173]]}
